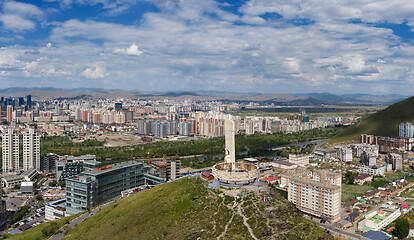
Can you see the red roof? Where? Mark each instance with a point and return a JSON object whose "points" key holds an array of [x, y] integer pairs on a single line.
{"points": [[206, 174], [404, 205], [270, 179]]}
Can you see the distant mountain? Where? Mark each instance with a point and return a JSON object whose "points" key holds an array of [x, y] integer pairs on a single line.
{"points": [[277, 99], [382, 123]]}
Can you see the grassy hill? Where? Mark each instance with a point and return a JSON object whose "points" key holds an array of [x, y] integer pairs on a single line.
{"points": [[187, 209], [382, 123]]}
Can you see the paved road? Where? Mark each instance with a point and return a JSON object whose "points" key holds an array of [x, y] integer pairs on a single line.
{"points": [[341, 232]]}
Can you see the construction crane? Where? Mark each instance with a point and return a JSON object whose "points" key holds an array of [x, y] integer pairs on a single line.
{"points": [[149, 156], [71, 150]]}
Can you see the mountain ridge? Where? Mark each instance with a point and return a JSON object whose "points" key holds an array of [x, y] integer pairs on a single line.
{"points": [[276, 99], [382, 123]]}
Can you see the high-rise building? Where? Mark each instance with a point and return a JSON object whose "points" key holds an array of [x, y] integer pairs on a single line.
{"points": [[48, 162], [31, 149], [9, 113], [21, 101], [160, 129], [78, 114], [10, 142], [173, 165], [318, 195], [184, 128], [29, 100], [118, 106], [406, 130]]}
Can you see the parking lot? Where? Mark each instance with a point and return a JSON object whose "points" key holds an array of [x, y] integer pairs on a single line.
{"points": [[34, 219], [14, 202]]}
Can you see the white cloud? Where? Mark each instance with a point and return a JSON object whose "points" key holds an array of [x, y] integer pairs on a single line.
{"points": [[292, 64], [96, 72], [16, 23], [22, 9], [330, 11], [133, 50], [197, 45], [17, 16]]}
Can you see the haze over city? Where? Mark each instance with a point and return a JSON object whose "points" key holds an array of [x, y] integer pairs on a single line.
{"points": [[241, 46]]}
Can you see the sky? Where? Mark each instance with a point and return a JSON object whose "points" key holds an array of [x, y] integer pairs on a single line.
{"points": [[265, 46]]}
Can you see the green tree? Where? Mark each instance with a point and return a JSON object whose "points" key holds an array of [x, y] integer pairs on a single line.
{"points": [[62, 183], [39, 197], [53, 183], [402, 228]]}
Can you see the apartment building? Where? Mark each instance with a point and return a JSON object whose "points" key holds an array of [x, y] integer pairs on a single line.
{"points": [[31, 149], [317, 195], [10, 151], [299, 159]]}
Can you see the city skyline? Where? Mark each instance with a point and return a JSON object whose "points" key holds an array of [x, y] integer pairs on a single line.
{"points": [[236, 46]]}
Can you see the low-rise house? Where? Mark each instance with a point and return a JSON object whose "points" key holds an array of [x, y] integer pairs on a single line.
{"points": [[370, 194], [206, 175], [351, 203], [270, 180], [363, 178]]}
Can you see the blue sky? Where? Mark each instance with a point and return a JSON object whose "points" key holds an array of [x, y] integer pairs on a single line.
{"points": [[268, 46]]}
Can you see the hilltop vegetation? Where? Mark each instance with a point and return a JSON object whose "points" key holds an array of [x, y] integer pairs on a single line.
{"points": [[382, 123], [187, 209]]}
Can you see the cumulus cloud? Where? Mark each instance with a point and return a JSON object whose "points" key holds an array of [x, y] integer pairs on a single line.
{"points": [[17, 16], [20, 8], [16, 23], [96, 72], [199, 45], [327, 11], [131, 50]]}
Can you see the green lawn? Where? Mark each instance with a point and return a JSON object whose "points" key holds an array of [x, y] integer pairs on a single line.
{"points": [[351, 191]]}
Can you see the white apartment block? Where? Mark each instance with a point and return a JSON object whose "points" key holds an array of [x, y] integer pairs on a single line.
{"points": [[375, 170], [345, 154], [10, 143], [299, 159], [31, 149], [406, 130], [318, 198]]}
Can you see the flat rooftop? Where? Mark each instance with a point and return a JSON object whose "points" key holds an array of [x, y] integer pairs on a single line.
{"points": [[284, 163], [112, 167], [315, 183]]}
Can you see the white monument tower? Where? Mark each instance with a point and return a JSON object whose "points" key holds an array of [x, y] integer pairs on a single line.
{"points": [[231, 173], [229, 129]]}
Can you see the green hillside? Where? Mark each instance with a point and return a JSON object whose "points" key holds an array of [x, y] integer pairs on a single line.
{"points": [[382, 123], [187, 209]]}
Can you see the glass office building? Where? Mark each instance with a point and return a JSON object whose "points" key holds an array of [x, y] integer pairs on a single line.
{"points": [[93, 187]]}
